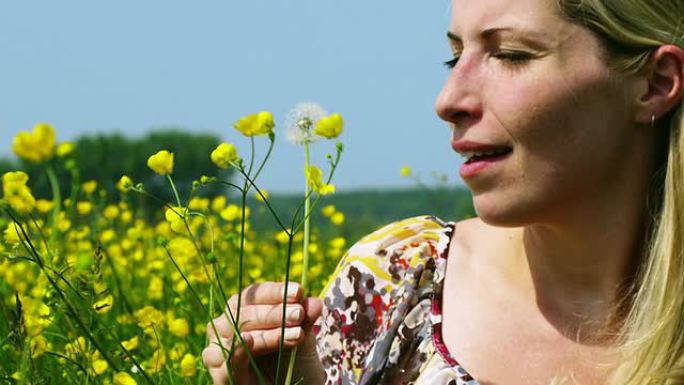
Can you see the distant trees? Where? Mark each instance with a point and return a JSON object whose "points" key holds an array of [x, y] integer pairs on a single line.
{"points": [[106, 157]]}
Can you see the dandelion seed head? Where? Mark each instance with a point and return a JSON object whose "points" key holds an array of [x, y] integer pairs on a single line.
{"points": [[301, 120]]}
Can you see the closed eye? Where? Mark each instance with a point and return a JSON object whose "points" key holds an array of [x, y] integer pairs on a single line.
{"points": [[452, 63], [513, 57]]}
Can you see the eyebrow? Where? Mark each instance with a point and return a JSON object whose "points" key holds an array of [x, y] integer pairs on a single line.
{"points": [[531, 37]]}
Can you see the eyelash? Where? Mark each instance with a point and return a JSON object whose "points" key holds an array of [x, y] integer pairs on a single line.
{"points": [[511, 58]]}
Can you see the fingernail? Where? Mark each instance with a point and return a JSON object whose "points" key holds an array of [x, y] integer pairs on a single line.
{"points": [[292, 289], [293, 333], [294, 314], [246, 337]]}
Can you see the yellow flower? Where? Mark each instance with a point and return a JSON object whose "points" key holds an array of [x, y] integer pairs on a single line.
{"points": [[65, 149], [157, 361], [63, 222], [84, 207], [255, 124], [175, 217], [107, 236], [198, 204], [314, 177], [104, 305], [12, 234], [110, 212], [39, 345], [224, 155], [125, 183], [337, 218], [131, 344], [36, 146], [179, 327], [17, 193], [76, 347], [282, 237], [155, 290], [330, 126], [90, 186], [149, 316], [126, 217], [161, 162], [219, 203], [44, 206], [405, 171], [328, 210], [188, 365], [100, 366], [337, 243], [123, 378], [233, 212], [14, 177], [259, 196]]}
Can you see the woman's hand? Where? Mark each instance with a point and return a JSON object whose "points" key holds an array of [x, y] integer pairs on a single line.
{"points": [[260, 319]]}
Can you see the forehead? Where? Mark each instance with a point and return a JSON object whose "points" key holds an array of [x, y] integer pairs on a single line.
{"points": [[470, 16]]}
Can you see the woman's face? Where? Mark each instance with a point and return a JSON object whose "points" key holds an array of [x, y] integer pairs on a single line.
{"points": [[535, 86]]}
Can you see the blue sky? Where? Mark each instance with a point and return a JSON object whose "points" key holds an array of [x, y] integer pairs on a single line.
{"points": [[133, 66]]}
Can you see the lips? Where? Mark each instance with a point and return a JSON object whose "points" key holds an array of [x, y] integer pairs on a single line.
{"points": [[476, 150], [476, 156]]}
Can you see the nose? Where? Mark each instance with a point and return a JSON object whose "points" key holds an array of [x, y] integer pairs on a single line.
{"points": [[459, 102]]}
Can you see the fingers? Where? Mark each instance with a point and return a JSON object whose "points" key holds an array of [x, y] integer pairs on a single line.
{"points": [[268, 341], [314, 308], [267, 293], [255, 317], [259, 343], [260, 322], [213, 357]]}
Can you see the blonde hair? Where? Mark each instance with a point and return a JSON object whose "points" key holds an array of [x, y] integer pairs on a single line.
{"points": [[650, 338]]}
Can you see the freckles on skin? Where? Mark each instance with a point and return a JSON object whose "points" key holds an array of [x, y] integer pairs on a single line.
{"points": [[563, 121]]}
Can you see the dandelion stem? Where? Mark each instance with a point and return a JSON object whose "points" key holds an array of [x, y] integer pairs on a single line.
{"points": [[307, 222]]}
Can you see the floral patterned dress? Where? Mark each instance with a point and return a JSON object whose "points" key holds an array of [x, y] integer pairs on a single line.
{"points": [[382, 319]]}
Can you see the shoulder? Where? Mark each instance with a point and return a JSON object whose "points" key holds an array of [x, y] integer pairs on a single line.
{"points": [[474, 241]]}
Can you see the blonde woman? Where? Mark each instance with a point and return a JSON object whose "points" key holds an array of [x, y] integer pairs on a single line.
{"points": [[568, 113]]}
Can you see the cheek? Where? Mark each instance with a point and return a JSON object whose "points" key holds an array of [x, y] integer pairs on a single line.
{"points": [[562, 122], [566, 137]]}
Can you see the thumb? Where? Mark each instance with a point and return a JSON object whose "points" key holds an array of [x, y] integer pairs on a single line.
{"points": [[313, 308], [240, 362]]}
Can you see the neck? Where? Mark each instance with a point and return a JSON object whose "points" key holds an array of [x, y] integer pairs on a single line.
{"points": [[576, 271]]}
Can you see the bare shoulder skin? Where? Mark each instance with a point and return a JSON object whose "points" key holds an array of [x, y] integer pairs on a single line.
{"points": [[491, 328]]}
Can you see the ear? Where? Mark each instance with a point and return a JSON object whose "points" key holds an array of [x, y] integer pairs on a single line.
{"points": [[665, 79]]}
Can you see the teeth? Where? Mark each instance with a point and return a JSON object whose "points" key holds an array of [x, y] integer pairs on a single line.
{"points": [[470, 154]]}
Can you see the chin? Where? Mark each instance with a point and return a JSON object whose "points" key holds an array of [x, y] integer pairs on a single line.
{"points": [[501, 212]]}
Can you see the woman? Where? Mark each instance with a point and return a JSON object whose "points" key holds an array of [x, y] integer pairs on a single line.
{"points": [[569, 115]]}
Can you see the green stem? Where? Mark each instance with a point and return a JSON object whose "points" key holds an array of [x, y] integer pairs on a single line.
{"points": [[240, 263], [56, 200], [305, 251], [281, 347], [175, 190], [73, 313], [263, 162], [251, 158], [307, 221]]}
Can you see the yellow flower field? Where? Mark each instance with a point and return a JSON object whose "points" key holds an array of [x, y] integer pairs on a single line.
{"points": [[97, 292]]}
